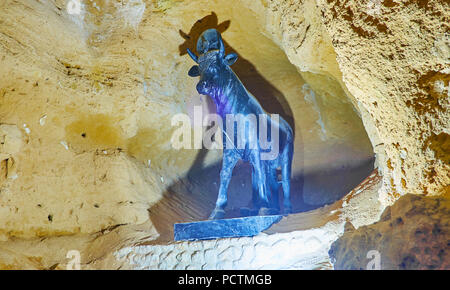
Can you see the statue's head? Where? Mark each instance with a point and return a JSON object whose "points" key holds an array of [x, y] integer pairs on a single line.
{"points": [[212, 63]]}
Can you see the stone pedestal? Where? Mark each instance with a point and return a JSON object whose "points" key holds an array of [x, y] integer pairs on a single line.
{"points": [[224, 228]]}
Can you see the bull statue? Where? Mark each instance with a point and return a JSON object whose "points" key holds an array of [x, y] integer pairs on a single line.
{"points": [[218, 81]]}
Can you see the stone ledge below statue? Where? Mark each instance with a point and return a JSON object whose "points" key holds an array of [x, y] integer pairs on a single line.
{"points": [[224, 228]]}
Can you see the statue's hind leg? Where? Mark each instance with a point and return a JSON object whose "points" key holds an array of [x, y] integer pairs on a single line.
{"points": [[255, 203], [273, 186], [286, 168], [229, 161], [262, 174]]}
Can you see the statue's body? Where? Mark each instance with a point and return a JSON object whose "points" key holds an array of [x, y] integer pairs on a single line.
{"points": [[218, 81]]}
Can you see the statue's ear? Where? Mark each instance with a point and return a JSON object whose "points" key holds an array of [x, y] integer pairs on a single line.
{"points": [[231, 58], [194, 71]]}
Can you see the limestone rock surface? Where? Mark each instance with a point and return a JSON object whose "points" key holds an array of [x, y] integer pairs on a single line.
{"points": [[412, 234], [86, 102]]}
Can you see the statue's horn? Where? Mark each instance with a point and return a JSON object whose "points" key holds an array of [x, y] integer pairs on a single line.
{"points": [[221, 46], [192, 55]]}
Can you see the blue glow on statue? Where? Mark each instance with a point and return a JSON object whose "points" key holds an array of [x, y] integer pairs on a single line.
{"points": [[218, 81]]}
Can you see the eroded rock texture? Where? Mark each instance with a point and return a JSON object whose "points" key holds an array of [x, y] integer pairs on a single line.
{"points": [[412, 234], [394, 59]]}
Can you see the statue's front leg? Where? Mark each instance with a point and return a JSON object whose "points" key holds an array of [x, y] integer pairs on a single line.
{"points": [[229, 161]]}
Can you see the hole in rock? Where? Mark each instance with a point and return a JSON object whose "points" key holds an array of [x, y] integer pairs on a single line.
{"points": [[332, 152]]}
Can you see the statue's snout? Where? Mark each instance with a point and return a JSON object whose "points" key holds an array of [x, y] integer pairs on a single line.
{"points": [[202, 88]]}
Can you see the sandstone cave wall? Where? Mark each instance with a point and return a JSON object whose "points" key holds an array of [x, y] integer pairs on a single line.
{"points": [[87, 101], [77, 147]]}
